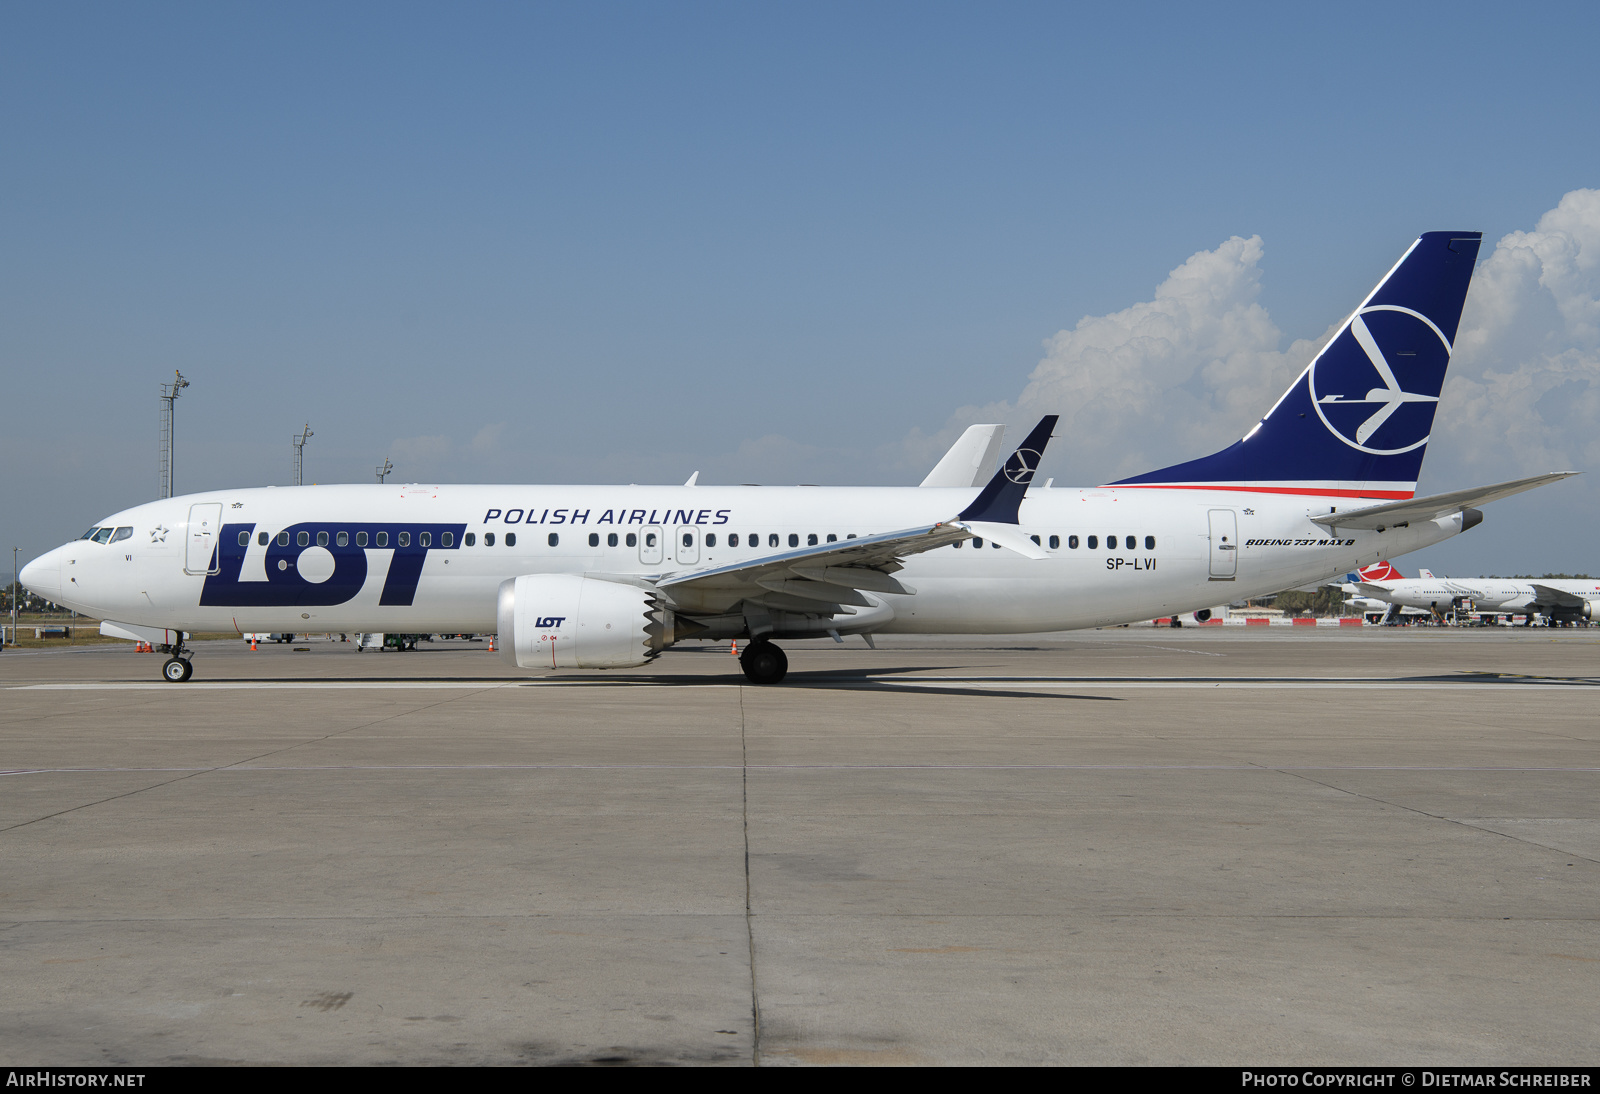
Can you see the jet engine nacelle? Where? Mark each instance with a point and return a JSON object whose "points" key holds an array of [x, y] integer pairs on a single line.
{"points": [[569, 621]]}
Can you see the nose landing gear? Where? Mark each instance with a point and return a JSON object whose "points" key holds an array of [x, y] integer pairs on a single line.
{"points": [[177, 668], [763, 663]]}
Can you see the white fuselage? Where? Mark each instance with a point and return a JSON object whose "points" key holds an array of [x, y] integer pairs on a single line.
{"points": [[1175, 550], [1484, 593]]}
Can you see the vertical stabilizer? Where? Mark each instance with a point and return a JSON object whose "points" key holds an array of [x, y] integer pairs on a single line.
{"points": [[1356, 422]]}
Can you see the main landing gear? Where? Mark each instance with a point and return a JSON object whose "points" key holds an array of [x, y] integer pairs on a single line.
{"points": [[763, 663], [177, 668]]}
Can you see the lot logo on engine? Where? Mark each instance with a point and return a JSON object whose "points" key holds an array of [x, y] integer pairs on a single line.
{"points": [[550, 621]]}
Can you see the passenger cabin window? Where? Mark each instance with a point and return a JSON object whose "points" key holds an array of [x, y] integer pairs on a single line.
{"points": [[772, 539], [488, 539], [1149, 543], [611, 539], [832, 538], [343, 539], [405, 539], [977, 541], [1094, 542], [381, 539], [1131, 543], [852, 535], [322, 539], [447, 539], [425, 539], [794, 540], [630, 540], [244, 539], [711, 539], [361, 539], [688, 539], [470, 539], [594, 539], [811, 540], [1072, 543], [649, 539], [1055, 543], [283, 539], [262, 538], [303, 539], [511, 539], [554, 540]]}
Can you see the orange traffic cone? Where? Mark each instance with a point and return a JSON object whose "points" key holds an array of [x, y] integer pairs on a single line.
{"points": [[252, 643], [491, 643], [734, 651]]}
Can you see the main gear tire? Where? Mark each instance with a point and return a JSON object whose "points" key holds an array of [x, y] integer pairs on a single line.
{"points": [[763, 663], [177, 670]]}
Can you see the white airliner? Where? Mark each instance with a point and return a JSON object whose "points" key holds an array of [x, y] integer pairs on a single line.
{"points": [[1559, 600], [608, 576]]}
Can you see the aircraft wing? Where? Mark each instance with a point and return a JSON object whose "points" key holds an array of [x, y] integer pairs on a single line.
{"points": [[829, 574], [1376, 592], [826, 577], [1398, 513], [1558, 597]]}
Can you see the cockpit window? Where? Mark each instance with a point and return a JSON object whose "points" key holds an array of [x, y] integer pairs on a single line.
{"points": [[103, 535], [125, 532], [90, 533]]}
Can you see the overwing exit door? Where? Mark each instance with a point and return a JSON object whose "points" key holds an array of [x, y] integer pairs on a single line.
{"points": [[650, 546], [1224, 544]]}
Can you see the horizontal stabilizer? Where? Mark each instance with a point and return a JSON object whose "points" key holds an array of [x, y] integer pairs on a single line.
{"points": [[1396, 513]]}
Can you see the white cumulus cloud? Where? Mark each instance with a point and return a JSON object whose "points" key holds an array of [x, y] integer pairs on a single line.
{"points": [[1178, 375], [1523, 392], [1188, 371]]}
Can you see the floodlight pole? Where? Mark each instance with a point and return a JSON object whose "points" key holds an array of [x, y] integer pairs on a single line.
{"points": [[169, 393], [300, 453], [383, 471], [16, 588]]}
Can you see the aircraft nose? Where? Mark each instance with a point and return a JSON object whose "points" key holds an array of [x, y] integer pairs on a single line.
{"points": [[43, 575]]}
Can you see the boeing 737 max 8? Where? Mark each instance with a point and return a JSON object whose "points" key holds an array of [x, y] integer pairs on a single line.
{"points": [[607, 577]]}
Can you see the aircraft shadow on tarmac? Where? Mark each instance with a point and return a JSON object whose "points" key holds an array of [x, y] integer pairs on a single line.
{"points": [[819, 680]]}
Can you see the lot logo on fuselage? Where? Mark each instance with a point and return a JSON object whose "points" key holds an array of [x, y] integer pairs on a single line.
{"points": [[1406, 354], [287, 586]]}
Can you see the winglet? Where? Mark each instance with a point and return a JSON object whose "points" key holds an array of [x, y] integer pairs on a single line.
{"points": [[1000, 500]]}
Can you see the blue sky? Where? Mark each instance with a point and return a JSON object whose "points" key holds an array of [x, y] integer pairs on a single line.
{"points": [[772, 243]]}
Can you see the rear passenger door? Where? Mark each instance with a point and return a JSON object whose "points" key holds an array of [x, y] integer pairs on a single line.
{"points": [[1224, 544]]}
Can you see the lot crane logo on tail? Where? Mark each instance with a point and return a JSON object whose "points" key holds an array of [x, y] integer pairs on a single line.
{"points": [[1420, 351]]}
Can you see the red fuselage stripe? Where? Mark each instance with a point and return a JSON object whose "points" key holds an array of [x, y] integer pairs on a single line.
{"points": [[1317, 491]]}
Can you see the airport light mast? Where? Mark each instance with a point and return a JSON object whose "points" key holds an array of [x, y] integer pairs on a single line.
{"points": [[383, 472], [300, 452], [169, 394]]}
